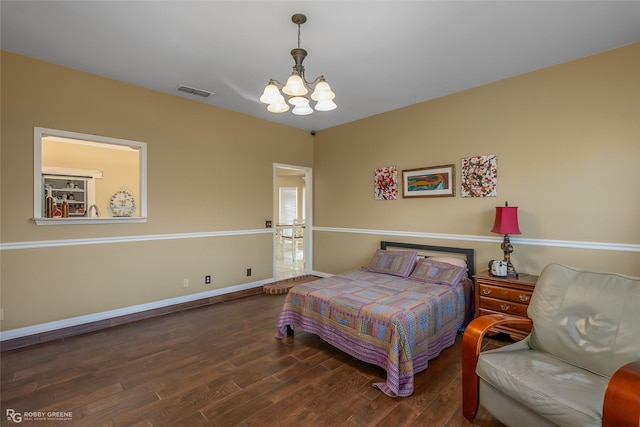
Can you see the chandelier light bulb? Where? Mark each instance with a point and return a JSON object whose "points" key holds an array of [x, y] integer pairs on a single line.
{"points": [[298, 100], [322, 92], [295, 86], [278, 108], [327, 105], [271, 95], [302, 110]]}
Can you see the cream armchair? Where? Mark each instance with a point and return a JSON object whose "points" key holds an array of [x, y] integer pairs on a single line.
{"points": [[580, 366]]}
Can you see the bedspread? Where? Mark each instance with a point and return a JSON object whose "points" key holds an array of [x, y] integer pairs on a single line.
{"points": [[393, 322]]}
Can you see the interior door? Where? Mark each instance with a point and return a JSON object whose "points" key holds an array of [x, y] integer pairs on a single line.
{"points": [[292, 186]]}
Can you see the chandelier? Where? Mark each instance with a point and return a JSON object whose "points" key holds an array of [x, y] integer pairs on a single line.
{"points": [[297, 87]]}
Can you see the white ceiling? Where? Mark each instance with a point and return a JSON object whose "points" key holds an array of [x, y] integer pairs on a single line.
{"points": [[376, 55]]}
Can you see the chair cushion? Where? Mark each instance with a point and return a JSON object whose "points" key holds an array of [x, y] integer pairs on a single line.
{"points": [[562, 393], [587, 319]]}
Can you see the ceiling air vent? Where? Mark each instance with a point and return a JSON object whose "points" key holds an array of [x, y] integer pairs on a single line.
{"points": [[194, 91]]}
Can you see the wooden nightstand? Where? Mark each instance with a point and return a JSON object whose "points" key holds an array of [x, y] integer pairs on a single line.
{"points": [[504, 295]]}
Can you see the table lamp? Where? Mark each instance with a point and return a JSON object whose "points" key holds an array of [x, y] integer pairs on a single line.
{"points": [[507, 223]]}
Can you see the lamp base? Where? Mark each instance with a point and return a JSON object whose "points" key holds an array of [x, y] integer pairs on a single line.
{"points": [[507, 248]]}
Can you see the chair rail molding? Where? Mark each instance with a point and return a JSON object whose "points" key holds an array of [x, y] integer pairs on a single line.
{"points": [[605, 246], [127, 239], [623, 247]]}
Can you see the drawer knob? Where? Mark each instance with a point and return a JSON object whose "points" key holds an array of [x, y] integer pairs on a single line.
{"points": [[505, 307], [486, 291], [524, 297]]}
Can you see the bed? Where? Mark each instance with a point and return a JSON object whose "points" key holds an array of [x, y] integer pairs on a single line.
{"points": [[398, 313]]}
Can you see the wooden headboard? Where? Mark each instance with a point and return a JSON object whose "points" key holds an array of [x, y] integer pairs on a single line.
{"points": [[469, 254]]}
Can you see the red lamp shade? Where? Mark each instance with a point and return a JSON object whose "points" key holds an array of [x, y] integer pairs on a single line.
{"points": [[506, 220]]}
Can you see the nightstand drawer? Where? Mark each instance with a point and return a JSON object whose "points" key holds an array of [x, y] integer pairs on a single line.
{"points": [[506, 295], [503, 306], [514, 295]]}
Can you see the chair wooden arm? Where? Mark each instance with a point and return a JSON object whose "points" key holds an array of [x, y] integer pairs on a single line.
{"points": [[471, 344], [621, 406]]}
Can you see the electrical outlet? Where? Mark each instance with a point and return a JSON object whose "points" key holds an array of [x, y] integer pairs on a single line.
{"points": [[248, 272], [268, 224], [207, 280], [185, 283]]}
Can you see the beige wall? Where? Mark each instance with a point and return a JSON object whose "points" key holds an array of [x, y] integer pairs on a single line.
{"points": [[209, 171], [568, 145], [567, 140]]}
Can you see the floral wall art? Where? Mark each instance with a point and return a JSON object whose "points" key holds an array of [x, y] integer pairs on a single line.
{"points": [[386, 183], [479, 176]]}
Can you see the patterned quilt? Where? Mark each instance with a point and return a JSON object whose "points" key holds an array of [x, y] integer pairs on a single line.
{"points": [[393, 322]]}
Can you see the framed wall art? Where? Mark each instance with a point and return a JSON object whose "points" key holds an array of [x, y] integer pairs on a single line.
{"points": [[433, 181], [385, 183], [479, 176]]}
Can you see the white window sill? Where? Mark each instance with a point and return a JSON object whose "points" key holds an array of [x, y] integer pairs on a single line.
{"points": [[84, 220]]}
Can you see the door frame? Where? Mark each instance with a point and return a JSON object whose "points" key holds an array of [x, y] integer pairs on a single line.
{"points": [[308, 214]]}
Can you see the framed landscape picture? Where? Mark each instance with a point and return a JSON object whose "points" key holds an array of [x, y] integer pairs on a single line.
{"points": [[433, 181]]}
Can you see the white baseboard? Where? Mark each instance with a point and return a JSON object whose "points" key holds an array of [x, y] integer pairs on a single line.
{"points": [[110, 314]]}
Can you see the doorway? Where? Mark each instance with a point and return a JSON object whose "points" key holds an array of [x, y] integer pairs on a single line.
{"points": [[292, 221]]}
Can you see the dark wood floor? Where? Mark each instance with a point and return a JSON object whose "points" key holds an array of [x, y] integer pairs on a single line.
{"points": [[219, 365]]}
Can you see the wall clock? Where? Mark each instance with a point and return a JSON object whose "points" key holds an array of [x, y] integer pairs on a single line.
{"points": [[122, 203]]}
